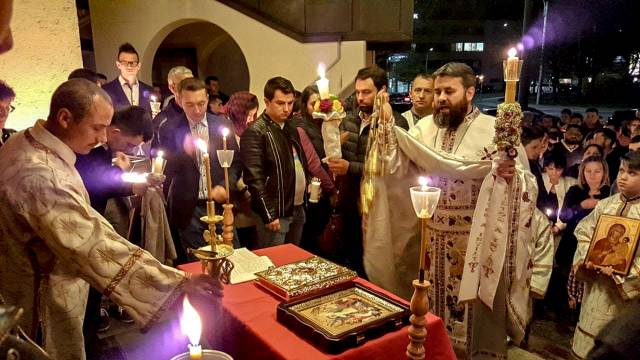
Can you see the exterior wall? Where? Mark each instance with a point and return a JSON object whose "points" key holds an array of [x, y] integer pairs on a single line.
{"points": [[46, 49], [268, 53]]}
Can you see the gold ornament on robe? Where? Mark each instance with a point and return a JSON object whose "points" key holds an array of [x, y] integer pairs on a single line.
{"points": [[373, 162]]}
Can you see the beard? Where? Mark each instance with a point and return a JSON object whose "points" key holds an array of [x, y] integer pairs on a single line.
{"points": [[367, 109], [454, 117]]}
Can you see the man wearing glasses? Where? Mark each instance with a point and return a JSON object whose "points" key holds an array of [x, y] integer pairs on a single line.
{"points": [[6, 98], [126, 89]]}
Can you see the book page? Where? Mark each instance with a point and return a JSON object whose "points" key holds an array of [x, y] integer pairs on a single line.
{"points": [[246, 264]]}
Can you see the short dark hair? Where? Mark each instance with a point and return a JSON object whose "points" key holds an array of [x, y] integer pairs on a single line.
{"points": [[598, 147], [592, 109], [458, 69], [577, 115], [635, 139], [134, 121], [574, 126], [210, 78], [191, 84], [6, 92], [530, 133], [608, 133], [632, 159], [566, 111], [77, 96], [127, 48], [101, 76], [277, 83], [375, 73], [213, 97], [83, 73], [424, 76], [304, 99], [555, 158]]}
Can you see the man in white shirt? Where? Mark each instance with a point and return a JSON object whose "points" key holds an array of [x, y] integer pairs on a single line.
{"points": [[421, 98]]}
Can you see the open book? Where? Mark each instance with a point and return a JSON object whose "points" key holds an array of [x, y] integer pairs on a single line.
{"points": [[246, 264]]}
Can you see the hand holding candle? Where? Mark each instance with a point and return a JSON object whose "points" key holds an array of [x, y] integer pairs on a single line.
{"points": [[158, 163], [322, 83]]}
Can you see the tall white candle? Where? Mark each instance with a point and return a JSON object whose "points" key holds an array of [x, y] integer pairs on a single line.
{"points": [[323, 83], [158, 163]]}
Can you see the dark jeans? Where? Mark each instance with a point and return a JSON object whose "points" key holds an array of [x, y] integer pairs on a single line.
{"points": [[318, 215]]}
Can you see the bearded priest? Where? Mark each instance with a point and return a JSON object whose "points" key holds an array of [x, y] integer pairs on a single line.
{"points": [[454, 148]]}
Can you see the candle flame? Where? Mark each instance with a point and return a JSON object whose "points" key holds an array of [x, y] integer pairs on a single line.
{"points": [[512, 52], [202, 145], [548, 212], [190, 322], [321, 70], [225, 132], [160, 153], [153, 98], [423, 181]]}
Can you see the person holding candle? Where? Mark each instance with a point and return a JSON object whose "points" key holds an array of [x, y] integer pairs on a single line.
{"points": [[275, 166], [186, 170], [482, 282], [126, 89], [55, 244]]}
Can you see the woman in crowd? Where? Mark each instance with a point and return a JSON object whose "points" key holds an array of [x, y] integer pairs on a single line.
{"points": [[556, 186], [581, 199], [242, 109], [590, 150], [309, 130]]}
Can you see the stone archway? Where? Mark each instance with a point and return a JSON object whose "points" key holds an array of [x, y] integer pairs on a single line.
{"points": [[202, 46]]}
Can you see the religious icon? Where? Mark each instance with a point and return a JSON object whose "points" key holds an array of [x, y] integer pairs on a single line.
{"points": [[614, 242]]}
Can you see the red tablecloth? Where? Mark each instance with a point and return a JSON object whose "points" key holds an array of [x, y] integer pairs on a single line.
{"points": [[250, 330]]}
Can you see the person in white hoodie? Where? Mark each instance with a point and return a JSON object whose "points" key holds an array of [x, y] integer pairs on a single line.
{"points": [[421, 99]]}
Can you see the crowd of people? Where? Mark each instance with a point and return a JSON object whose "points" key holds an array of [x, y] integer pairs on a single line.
{"points": [[102, 128]]}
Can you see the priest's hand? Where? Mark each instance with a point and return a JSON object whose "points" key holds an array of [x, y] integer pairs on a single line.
{"points": [[273, 226], [203, 286], [506, 169], [386, 114], [219, 194], [338, 166]]}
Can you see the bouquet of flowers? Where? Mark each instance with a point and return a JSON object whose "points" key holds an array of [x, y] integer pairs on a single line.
{"points": [[508, 128], [331, 111]]}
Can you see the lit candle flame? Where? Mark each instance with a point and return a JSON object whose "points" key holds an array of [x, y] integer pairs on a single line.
{"points": [[190, 323], [512, 52], [160, 153], [548, 212], [423, 181], [225, 132], [321, 70], [202, 145], [153, 98]]}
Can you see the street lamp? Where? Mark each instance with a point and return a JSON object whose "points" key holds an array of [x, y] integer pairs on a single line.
{"points": [[481, 78], [426, 61]]}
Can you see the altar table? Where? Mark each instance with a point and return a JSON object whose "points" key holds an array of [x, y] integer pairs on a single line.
{"points": [[249, 329]]}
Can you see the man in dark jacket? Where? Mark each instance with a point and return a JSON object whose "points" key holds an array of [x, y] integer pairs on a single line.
{"points": [[355, 128], [126, 89], [185, 169], [275, 167]]}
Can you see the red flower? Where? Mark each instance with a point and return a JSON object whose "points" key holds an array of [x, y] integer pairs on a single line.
{"points": [[326, 105]]}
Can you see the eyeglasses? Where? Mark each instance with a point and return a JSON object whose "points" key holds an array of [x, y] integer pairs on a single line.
{"points": [[7, 108], [128, 63]]}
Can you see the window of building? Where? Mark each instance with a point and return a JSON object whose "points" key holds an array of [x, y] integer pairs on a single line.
{"points": [[468, 46]]}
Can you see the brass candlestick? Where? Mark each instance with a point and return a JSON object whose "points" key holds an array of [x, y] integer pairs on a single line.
{"points": [[214, 257]]}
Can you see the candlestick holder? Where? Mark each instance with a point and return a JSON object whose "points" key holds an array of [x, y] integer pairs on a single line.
{"points": [[206, 355], [225, 157], [214, 257], [512, 68], [424, 199]]}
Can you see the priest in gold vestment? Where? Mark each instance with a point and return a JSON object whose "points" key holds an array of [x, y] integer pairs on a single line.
{"points": [[53, 244], [455, 149]]}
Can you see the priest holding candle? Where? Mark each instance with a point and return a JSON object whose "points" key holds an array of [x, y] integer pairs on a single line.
{"points": [[489, 248], [188, 165]]}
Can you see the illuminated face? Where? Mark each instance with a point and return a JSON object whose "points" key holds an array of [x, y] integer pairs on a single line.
{"points": [[628, 180], [366, 94], [312, 100], [534, 149], [82, 135], [591, 151], [554, 173], [593, 173], [128, 64], [451, 101], [633, 126], [120, 141], [194, 104], [279, 108], [5, 109], [422, 94]]}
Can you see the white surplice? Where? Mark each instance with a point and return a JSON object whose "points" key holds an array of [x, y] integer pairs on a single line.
{"points": [[54, 244]]}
